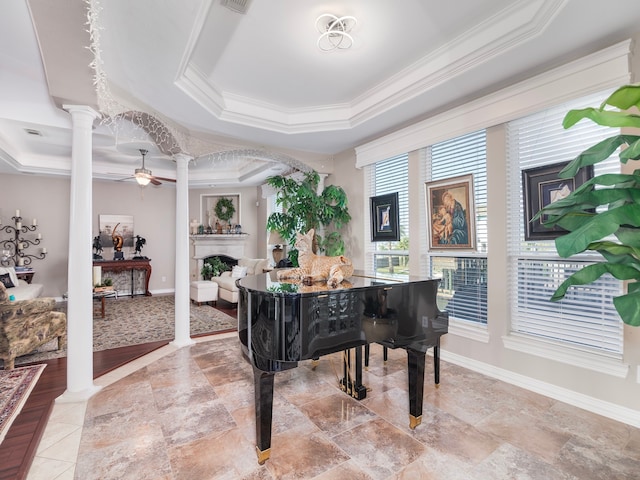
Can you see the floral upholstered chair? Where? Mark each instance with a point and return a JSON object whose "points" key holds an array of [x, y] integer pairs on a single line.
{"points": [[28, 324]]}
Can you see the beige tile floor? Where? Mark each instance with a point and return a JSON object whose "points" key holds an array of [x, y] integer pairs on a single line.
{"points": [[188, 414]]}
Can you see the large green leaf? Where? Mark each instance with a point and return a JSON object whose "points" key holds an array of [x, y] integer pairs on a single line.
{"points": [[625, 97], [629, 236], [632, 152], [627, 307], [596, 228], [591, 273], [598, 152], [592, 198], [616, 253], [607, 118]]}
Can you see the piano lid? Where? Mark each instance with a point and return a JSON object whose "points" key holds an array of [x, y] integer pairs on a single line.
{"points": [[269, 283]]}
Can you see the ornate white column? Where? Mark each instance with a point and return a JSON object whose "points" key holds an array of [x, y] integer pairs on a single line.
{"points": [[80, 281], [182, 307]]}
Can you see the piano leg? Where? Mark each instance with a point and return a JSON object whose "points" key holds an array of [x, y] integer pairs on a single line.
{"points": [[436, 363], [415, 364], [263, 388]]}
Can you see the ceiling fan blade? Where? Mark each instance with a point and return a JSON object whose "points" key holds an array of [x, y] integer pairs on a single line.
{"points": [[165, 179], [155, 181]]}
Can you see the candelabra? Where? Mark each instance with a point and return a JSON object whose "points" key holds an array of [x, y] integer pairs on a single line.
{"points": [[13, 249]]}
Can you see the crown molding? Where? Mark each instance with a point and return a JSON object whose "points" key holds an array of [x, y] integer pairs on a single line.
{"points": [[513, 26], [607, 68]]}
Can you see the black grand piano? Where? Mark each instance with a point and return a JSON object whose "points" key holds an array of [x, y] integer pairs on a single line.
{"points": [[280, 324]]}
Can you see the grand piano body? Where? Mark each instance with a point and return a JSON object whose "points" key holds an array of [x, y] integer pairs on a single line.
{"points": [[280, 324]]}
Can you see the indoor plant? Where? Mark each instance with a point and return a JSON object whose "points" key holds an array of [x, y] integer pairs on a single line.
{"points": [[606, 205], [213, 267], [303, 209]]}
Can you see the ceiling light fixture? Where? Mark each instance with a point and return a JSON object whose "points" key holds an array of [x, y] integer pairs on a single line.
{"points": [[334, 32], [143, 176]]}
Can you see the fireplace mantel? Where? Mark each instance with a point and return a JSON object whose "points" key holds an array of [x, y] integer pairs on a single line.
{"points": [[231, 244]]}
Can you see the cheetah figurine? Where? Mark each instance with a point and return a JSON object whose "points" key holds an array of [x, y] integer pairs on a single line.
{"points": [[316, 268]]}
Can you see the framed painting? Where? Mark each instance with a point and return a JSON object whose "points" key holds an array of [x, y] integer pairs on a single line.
{"points": [[385, 218], [451, 213], [542, 186]]}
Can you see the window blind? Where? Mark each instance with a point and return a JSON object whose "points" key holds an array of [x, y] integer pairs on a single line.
{"points": [[586, 318], [385, 177], [463, 288]]}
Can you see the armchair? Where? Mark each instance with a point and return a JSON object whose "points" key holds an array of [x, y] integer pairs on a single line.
{"points": [[28, 324]]}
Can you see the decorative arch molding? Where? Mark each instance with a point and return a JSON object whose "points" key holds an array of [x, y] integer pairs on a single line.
{"points": [[225, 156], [157, 130]]}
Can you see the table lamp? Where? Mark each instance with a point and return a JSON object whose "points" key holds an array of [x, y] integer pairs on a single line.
{"points": [[278, 242]]}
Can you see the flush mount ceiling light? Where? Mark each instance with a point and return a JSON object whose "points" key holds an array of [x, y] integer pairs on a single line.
{"points": [[334, 32]]}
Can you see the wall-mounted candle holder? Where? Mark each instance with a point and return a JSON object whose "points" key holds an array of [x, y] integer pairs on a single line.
{"points": [[14, 249]]}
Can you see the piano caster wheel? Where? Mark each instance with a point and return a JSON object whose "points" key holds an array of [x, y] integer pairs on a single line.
{"points": [[314, 364], [414, 421], [263, 456]]}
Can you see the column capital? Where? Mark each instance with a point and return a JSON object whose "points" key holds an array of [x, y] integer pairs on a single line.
{"points": [[182, 158], [81, 109]]}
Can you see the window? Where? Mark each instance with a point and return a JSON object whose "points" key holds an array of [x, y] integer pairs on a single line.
{"points": [[463, 289], [586, 318], [390, 176]]}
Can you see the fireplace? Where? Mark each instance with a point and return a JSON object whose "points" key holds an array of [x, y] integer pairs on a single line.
{"points": [[217, 245], [228, 261]]}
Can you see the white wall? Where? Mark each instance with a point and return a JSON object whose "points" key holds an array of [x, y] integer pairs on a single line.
{"points": [[351, 180], [47, 199]]}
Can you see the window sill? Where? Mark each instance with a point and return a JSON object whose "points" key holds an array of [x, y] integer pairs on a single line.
{"points": [[473, 331], [567, 355]]}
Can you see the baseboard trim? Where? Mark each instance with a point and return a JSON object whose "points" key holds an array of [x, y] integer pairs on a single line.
{"points": [[164, 291], [591, 404]]}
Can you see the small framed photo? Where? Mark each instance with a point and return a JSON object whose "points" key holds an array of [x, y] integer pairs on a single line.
{"points": [[542, 186], [451, 214], [385, 218]]}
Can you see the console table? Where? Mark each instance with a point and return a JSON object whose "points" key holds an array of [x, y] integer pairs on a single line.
{"points": [[27, 275], [127, 265]]}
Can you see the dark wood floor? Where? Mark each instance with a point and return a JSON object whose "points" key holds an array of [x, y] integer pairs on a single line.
{"points": [[19, 446]]}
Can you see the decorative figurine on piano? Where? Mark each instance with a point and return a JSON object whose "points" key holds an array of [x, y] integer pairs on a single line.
{"points": [[316, 268]]}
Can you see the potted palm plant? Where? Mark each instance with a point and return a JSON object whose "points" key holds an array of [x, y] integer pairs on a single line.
{"points": [[304, 209], [603, 214]]}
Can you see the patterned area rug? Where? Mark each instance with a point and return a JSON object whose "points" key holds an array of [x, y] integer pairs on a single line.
{"points": [[15, 387], [137, 320]]}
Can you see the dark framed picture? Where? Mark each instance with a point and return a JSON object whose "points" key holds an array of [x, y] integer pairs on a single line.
{"points": [[385, 218], [451, 217], [542, 186]]}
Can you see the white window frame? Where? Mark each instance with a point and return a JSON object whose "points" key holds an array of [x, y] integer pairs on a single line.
{"points": [[551, 342], [372, 189], [460, 326]]}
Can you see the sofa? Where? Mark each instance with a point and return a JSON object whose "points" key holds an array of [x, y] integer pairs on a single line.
{"points": [[20, 289], [227, 289], [28, 324]]}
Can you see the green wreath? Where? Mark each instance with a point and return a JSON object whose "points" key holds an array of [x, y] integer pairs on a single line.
{"points": [[224, 209]]}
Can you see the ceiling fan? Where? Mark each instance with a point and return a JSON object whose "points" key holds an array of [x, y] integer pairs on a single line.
{"points": [[144, 176]]}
